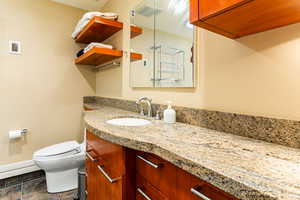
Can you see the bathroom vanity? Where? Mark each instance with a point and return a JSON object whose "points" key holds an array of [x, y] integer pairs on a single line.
{"points": [[178, 161], [116, 172]]}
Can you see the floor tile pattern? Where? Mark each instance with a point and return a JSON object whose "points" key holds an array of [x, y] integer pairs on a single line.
{"points": [[21, 178], [34, 189]]}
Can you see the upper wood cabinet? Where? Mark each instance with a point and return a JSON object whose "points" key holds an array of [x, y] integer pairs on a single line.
{"points": [[238, 18]]}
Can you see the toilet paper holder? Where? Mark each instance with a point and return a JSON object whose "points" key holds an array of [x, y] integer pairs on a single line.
{"points": [[16, 134]]}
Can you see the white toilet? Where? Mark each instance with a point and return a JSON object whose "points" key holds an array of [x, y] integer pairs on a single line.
{"points": [[61, 163]]}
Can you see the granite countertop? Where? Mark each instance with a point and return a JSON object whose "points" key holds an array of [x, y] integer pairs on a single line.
{"points": [[246, 168]]}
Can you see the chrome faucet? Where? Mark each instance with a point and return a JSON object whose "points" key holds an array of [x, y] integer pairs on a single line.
{"points": [[147, 101]]}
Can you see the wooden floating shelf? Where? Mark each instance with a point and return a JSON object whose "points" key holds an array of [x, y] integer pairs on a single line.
{"points": [[135, 57], [98, 30], [99, 56], [135, 31]]}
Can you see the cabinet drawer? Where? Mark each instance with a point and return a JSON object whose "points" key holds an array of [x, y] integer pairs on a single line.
{"points": [[192, 188], [145, 191], [158, 172], [95, 186], [110, 157], [106, 169]]}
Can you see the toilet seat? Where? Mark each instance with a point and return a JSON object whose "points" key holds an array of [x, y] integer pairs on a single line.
{"points": [[59, 150], [60, 163]]}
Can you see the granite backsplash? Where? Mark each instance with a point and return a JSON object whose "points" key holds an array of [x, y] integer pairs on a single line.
{"points": [[279, 131]]}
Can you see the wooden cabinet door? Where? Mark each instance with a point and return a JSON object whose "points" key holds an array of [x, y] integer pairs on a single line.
{"points": [[104, 189], [209, 8], [190, 187], [203, 10], [238, 18], [90, 191], [257, 16], [94, 184], [158, 172], [146, 191], [194, 11], [109, 168]]}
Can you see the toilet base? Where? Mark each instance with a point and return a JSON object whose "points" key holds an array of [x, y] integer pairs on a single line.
{"points": [[62, 181]]}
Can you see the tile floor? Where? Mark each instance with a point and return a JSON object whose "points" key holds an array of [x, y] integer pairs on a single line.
{"points": [[34, 189]]}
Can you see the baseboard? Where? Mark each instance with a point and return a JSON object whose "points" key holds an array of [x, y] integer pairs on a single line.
{"points": [[17, 168]]}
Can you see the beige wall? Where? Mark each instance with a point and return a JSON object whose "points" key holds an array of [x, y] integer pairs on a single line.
{"points": [[41, 89], [257, 75], [109, 82]]}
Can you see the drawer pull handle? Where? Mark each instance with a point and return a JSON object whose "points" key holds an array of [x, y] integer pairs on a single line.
{"points": [[90, 157], [156, 166], [111, 180], [143, 194], [199, 194]]}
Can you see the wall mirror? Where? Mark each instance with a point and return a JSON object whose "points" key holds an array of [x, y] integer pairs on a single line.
{"points": [[166, 44]]}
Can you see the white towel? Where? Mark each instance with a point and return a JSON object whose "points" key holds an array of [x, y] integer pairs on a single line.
{"points": [[87, 17], [96, 44]]}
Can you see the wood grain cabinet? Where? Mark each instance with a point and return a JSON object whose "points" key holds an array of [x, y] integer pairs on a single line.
{"points": [[157, 172], [190, 187], [238, 18], [146, 191], [159, 179], [118, 173], [109, 169]]}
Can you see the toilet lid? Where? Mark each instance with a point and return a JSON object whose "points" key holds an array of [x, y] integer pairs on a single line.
{"points": [[71, 147]]}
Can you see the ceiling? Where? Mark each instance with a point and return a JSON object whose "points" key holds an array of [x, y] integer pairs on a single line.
{"points": [[167, 18], [84, 4]]}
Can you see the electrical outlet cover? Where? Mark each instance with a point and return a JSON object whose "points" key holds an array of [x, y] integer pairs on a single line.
{"points": [[14, 47]]}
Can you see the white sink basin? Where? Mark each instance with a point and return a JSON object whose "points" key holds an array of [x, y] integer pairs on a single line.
{"points": [[128, 122]]}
